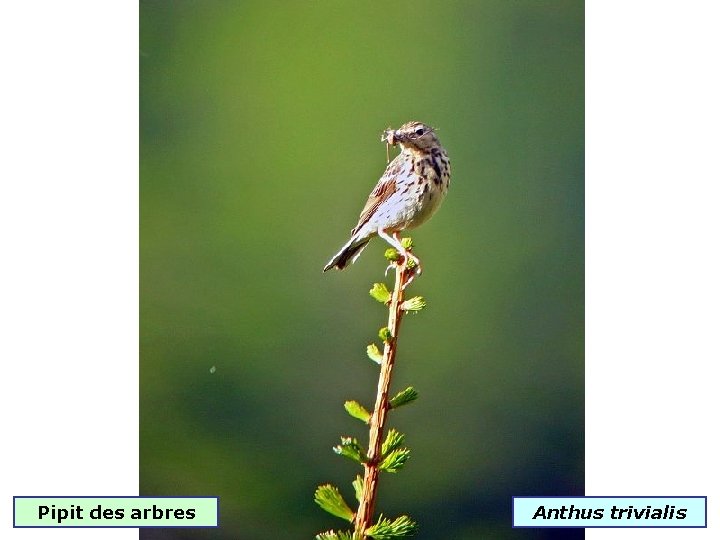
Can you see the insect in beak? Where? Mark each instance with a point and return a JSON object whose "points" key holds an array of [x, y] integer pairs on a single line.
{"points": [[389, 137]]}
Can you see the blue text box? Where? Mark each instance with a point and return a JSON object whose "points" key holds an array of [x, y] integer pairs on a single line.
{"points": [[589, 512]]}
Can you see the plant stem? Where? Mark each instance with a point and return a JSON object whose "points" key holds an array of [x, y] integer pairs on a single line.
{"points": [[364, 516]]}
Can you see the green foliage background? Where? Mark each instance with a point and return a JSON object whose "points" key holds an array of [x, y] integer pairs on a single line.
{"points": [[260, 127]]}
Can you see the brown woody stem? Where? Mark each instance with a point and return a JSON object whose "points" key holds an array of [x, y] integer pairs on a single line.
{"points": [[364, 516]]}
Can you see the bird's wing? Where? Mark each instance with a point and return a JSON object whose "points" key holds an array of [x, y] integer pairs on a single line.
{"points": [[382, 192]]}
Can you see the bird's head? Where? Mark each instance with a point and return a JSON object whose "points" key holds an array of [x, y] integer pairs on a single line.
{"points": [[414, 136]]}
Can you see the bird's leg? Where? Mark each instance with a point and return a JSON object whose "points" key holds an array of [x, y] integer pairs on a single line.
{"points": [[415, 270], [395, 242], [407, 254]]}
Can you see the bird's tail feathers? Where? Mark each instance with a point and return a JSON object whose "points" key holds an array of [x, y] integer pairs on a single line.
{"points": [[347, 254]]}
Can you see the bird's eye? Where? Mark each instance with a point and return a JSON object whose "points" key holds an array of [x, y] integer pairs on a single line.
{"points": [[419, 131]]}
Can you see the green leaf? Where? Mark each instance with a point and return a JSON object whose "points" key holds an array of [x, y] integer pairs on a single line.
{"points": [[385, 334], [395, 460], [332, 535], [380, 293], [414, 304], [356, 410], [407, 243], [393, 440], [384, 529], [403, 398], [374, 353], [358, 487], [329, 499], [392, 255], [350, 448]]}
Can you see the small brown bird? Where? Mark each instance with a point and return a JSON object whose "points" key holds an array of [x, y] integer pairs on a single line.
{"points": [[410, 191]]}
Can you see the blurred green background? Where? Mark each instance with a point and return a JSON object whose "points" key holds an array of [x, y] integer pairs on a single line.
{"points": [[260, 140]]}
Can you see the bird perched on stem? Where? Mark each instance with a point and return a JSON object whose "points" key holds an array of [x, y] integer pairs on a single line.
{"points": [[410, 191]]}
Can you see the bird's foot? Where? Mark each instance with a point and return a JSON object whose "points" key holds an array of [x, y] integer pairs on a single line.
{"points": [[410, 261], [414, 269]]}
